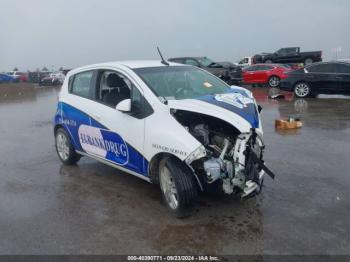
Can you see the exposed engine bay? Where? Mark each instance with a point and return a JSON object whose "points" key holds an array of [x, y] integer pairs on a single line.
{"points": [[233, 160]]}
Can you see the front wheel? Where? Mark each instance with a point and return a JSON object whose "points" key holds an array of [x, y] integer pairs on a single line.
{"points": [[64, 148], [268, 61], [274, 81], [302, 90], [178, 186]]}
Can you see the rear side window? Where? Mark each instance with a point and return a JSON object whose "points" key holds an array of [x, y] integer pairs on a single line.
{"points": [[264, 67], [251, 68], [81, 84], [341, 68], [322, 68]]}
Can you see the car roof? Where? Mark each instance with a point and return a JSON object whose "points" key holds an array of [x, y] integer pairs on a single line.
{"points": [[133, 64], [329, 62], [185, 57]]}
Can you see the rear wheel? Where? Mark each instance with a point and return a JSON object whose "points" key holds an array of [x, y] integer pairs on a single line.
{"points": [[274, 81], [178, 186], [302, 90], [64, 148], [308, 61]]}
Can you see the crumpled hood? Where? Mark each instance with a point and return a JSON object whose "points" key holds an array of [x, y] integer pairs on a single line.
{"points": [[236, 107]]}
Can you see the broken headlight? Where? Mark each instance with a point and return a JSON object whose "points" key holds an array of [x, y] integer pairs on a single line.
{"points": [[196, 154]]}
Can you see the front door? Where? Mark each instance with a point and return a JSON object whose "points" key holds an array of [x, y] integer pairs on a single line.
{"points": [[115, 136], [323, 78]]}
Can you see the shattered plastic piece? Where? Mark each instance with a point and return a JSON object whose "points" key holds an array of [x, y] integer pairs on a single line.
{"points": [[288, 124], [277, 96]]}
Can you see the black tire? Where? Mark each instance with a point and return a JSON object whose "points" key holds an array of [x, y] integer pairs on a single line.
{"points": [[72, 156], [308, 61], [274, 81], [268, 61], [183, 181], [302, 94]]}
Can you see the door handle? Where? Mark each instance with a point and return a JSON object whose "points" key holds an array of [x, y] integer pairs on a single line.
{"points": [[338, 77]]}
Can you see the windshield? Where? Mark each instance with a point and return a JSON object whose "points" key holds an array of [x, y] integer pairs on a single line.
{"points": [[205, 61], [181, 82]]}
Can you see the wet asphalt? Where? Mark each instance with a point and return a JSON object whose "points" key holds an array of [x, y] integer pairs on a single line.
{"points": [[48, 208]]}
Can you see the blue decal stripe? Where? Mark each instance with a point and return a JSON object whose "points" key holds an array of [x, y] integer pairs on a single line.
{"points": [[71, 118], [249, 113]]}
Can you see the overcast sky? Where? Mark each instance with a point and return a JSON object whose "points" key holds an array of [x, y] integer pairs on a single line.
{"points": [[70, 33]]}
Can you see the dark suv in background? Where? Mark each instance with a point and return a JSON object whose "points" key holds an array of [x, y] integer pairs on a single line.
{"points": [[227, 71]]}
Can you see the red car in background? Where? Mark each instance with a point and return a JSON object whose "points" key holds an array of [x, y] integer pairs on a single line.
{"points": [[270, 74]]}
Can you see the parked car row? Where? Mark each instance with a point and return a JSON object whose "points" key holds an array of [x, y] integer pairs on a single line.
{"points": [[270, 74], [13, 77], [42, 78], [5, 78], [314, 79], [53, 79]]}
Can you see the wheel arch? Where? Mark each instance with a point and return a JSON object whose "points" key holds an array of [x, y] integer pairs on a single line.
{"points": [[274, 75], [74, 143], [153, 166], [56, 127]]}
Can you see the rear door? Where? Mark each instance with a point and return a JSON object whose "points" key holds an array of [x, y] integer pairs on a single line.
{"points": [[248, 74], [323, 78], [263, 73], [343, 75], [76, 107]]}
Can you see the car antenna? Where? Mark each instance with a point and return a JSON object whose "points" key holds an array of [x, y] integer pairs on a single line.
{"points": [[164, 62]]}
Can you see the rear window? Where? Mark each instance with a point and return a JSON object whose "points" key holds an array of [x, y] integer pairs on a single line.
{"points": [[251, 68], [264, 67], [342, 68]]}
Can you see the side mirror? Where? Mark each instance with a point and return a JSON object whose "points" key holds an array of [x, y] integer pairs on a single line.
{"points": [[124, 105]]}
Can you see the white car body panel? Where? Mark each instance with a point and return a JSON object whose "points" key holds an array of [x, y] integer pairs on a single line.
{"points": [[143, 138]]}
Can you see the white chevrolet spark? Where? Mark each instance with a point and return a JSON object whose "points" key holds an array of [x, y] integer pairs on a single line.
{"points": [[173, 125]]}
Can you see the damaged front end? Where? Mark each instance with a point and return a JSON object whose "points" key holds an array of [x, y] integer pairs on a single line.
{"points": [[227, 157]]}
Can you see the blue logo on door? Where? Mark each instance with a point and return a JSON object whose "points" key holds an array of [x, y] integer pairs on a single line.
{"points": [[103, 143]]}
